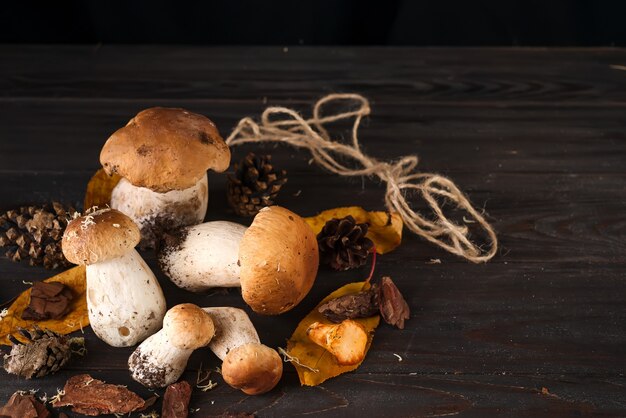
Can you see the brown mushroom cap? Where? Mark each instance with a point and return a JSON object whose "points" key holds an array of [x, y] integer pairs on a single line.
{"points": [[99, 236], [165, 149], [279, 259], [188, 327], [254, 368]]}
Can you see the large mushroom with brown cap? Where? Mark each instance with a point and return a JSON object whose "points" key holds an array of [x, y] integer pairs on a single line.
{"points": [[124, 300], [274, 261], [163, 155], [246, 363], [161, 359]]}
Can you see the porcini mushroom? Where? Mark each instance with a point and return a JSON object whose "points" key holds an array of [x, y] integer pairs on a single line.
{"points": [[163, 155], [274, 261], [161, 359], [246, 363], [124, 300]]}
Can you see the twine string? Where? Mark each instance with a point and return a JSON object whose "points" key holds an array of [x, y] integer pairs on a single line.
{"points": [[281, 124]]}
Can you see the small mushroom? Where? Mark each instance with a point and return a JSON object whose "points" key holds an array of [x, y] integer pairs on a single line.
{"points": [[274, 261], [124, 300], [161, 359], [163, 155], [246, 363], [347, 340]]}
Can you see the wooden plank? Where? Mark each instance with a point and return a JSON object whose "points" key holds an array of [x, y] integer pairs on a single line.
{"points": [[517, 318], [531, 139], [398, 396], [536, 221], [297, 73]]}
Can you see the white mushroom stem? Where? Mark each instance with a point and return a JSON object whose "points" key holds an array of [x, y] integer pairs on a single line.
{"points": [[204, 256], [161, 359], [126, 303], [157, 363], [233, 328], [150, 209]]}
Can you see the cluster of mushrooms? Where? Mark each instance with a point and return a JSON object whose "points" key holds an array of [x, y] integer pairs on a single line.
{"points": [[163, 156]]}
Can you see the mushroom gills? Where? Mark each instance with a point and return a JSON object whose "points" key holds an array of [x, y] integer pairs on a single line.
{"points": [[347, 341], [125, 302]]}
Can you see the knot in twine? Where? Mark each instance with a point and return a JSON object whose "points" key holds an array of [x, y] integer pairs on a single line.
{"points": [[281, 124]]}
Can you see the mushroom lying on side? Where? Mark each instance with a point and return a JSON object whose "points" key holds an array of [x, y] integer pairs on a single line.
{"points": [[163, 155], [124, 299], [246, 363], [161, 359], [347, 341], [274, 261]]}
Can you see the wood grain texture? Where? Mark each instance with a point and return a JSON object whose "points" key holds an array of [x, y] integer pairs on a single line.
{"points": [[294, 74], [536, 137]]}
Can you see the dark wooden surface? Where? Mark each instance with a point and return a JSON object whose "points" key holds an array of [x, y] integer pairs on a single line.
{"points": [[535, 136]]}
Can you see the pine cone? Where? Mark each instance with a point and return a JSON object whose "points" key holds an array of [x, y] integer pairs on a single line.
{"points": [[34, 233], [45, 354], [254, 185], [342, 243]]}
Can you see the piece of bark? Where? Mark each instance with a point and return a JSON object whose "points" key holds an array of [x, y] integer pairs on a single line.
{"points": [[49, 300], [352, 306], [393, 307], [93, 397], [176, 400], [24, 406]]}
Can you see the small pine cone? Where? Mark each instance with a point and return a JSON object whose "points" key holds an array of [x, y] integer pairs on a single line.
{"points": [[342, 243], [254, 185], [34, 233], [45, 353]]}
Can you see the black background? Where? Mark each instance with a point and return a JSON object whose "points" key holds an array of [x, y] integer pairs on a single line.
{"points": [[320, 22]]}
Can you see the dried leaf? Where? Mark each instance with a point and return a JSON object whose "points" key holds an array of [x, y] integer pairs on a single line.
{"points": [[90, 396], [313, 363], [23, 405], [76, 318], [385, 228], [99, 189], [393, 307]]}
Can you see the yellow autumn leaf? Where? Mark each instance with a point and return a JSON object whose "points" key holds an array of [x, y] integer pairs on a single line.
{"points": [[313, 363], [385, 228], [99, 189], [77, 317]]}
